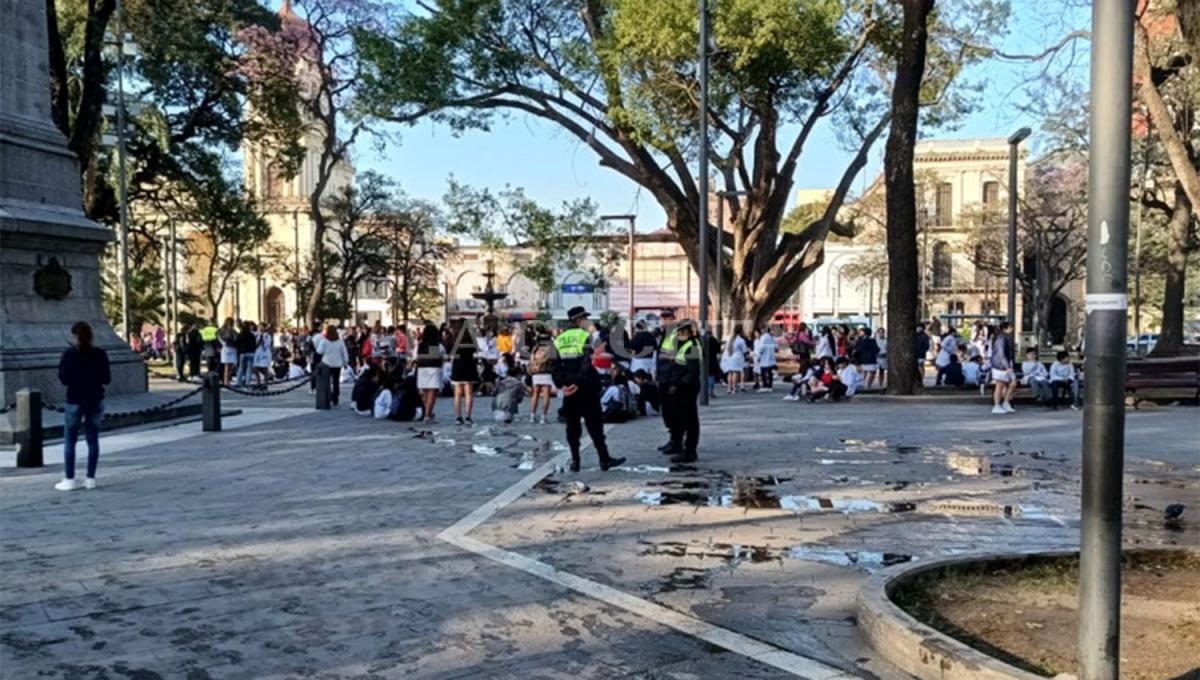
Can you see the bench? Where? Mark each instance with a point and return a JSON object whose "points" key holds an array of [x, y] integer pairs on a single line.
{"points": [[1183, 372]]}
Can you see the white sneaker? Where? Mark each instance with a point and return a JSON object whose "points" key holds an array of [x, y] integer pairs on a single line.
{"points": [[1008, 408], [998, 410], [66, 485], [89, 483], [542, 420]]}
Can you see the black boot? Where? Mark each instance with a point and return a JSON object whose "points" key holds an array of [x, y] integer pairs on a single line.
{"points": [[668, 446], [672, 450], [574, 461], [610, 462], [684, 458]]}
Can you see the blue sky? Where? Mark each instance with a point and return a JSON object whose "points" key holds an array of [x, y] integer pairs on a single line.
{"points": [[553, 167]]}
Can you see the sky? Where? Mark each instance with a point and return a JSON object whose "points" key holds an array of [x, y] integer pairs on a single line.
{"points": [[554, 167]]}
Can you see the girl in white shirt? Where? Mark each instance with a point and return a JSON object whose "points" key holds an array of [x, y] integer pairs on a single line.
{"points": [[733, 360]]}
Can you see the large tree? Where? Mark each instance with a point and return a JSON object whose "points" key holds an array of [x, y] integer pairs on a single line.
{"points": [[1168, 91], [359, 252], [901, 199], [620, 76], [312, 63], [416, 249]]}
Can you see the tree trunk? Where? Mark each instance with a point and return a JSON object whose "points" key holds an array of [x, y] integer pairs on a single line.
{"points": [[902, 201], [318, 258], [1170, 337]]}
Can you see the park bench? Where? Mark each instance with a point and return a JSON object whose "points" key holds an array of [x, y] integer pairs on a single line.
{"points": [[1183, 372]]}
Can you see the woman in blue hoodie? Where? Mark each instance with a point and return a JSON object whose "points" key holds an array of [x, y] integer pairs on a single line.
{"points": [[84, 370]]}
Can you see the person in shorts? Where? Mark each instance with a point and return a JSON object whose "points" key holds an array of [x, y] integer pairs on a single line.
{"points": [[429, 368], [1003, 375], [541, 370]]}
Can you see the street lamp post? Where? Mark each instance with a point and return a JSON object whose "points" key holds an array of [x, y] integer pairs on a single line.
{"points": [[923, 219], [1107, 316], [631, 219], [122, 190], [1013, 143], [702, 211], [721, 196]]}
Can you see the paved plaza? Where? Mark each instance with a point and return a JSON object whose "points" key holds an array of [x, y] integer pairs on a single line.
{"points": [[301, 544]]}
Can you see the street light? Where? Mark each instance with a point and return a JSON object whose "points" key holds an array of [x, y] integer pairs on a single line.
{"points": [[702, 212], [631, 219], [721, 196], [1013, 143], [1107, 317], [124, 46]]}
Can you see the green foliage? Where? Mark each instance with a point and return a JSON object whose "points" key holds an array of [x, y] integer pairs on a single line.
{"points": [[571, 238], [146, 297]]}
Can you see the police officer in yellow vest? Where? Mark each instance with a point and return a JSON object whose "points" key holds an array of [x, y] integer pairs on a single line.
{"points": [[685, 389], [665, 370], [580, 385]]}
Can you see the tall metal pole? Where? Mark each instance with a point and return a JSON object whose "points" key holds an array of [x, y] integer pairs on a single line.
{"points": [[632, 267], [1137, 264], [702, 210], [1014, 143], [720, 264], [923, 218], [123, 194], [1107, 317], [296, 236], [174, 276]]}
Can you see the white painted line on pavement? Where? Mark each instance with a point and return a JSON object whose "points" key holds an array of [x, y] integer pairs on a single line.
{"points": [[762, 652]]}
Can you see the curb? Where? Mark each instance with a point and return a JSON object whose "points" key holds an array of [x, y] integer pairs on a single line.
{"points": [[929, 654]]}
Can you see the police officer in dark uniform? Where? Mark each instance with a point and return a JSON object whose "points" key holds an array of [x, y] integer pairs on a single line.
{"points": [[665, 370], [685, 390], [580, 385]]}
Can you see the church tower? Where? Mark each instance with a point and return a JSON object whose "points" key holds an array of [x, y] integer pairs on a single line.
{"points": [[285, 204]]}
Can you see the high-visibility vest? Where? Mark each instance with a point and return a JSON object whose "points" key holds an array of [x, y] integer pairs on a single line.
{"points": [[208, 333], [668, 344], [571, 343], [681, 356]]}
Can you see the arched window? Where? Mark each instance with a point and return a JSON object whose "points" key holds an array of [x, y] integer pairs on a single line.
{"points": [[942, 265]]}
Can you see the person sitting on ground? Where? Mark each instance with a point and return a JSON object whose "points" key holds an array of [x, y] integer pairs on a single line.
{"points": [[1062, 380], [365, 389], [384, 398], [298, 368], [805, 372], [618, 402], [647, 392], [973, 370], [407, 400], [510, 389], [1035, 375], [953, 374], [848, 376], [824, 382]]}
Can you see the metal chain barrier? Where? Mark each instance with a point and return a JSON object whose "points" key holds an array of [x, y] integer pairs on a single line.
{"points": [[149, 409], [301, 382]]}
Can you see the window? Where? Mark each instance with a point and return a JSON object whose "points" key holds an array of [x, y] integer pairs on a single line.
{"points": [[987, 263], [955, 308], [989, 307], [942, 265], [943, 215], [991, 194]]}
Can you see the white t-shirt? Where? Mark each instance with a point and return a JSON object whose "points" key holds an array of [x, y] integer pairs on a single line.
{"points": [[383, 404], [849, 377], [764, 351]]}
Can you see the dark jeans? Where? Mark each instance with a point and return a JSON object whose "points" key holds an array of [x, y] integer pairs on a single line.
{"points": [[585, 405], [89, 415], [193, 365], [180, 362], [245, 368], [768, 376], [335, 385], [1058, 387]]}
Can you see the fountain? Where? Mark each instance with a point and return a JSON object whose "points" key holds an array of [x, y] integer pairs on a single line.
{"points": [[490, 296]]}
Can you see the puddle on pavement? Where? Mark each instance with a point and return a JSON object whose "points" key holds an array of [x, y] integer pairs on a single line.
{"points": [[684, 578], [722, 491], [734, 554]]}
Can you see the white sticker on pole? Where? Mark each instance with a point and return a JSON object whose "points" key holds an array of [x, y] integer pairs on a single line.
{"points": [[1111, 302]]}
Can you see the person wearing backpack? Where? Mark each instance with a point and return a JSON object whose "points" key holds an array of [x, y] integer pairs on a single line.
{"points": [[541, 367]]}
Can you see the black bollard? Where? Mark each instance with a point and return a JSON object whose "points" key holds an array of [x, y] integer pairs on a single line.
{"points": [[210, 406], [28, 433], [324, 398]]}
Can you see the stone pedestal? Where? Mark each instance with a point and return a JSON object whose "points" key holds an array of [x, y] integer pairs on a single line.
{"points": [[49, 250]]}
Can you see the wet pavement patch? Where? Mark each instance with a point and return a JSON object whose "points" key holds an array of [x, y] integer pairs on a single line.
{"points": [[733, 555]]}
